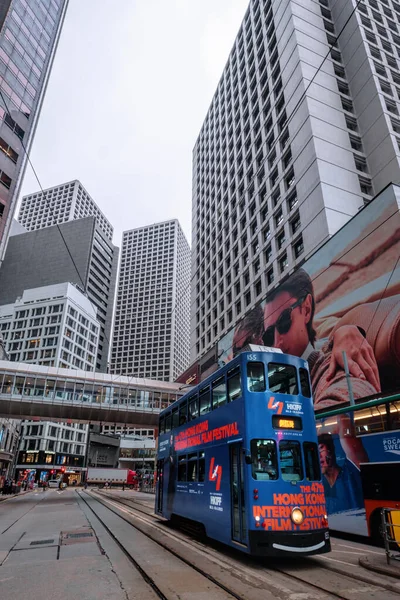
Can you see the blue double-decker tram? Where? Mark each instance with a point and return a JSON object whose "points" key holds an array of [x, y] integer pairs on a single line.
{"points": [[238, 454]]}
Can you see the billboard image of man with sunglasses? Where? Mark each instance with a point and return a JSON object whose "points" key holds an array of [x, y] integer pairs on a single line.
{"points": [[288, 325]]}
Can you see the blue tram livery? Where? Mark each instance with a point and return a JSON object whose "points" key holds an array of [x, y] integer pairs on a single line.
{"points": [[238, 454]]}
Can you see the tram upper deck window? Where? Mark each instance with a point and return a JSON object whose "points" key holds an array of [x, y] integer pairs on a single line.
{"points": [[219, 393], [205, 400], [193, 404], [183, 413], [162, 425], [290, 459], [282, 379], [234, 384], [264, 463], [255, 377], [305, 383], [175, 418], [168, 423], [311, 458]]}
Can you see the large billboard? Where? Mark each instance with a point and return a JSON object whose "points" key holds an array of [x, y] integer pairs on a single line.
{"points": [[345, 298]]}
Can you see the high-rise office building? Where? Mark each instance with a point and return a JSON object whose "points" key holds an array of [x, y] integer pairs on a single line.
{"points": [[29, 33], [40, 258], [59, 204], [280, 165], [53, 325], [151, 329]]}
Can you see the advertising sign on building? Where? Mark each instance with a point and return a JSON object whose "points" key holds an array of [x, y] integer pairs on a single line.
{"points": [[346, 297]]}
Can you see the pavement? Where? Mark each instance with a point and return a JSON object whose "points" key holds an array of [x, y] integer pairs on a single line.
{"points": [[48, 547]]}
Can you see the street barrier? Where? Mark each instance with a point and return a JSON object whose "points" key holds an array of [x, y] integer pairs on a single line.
{"points": [[391, 533]]}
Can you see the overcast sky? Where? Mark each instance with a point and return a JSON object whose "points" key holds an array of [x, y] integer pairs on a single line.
{"points": [[130, 87]]}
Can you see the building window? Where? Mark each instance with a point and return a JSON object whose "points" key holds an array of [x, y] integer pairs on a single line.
{"points": [[283, 263], [298, 247]]}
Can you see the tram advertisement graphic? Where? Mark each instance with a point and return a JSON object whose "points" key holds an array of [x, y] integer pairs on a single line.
{"points": [[201, 434], [311, 501]]}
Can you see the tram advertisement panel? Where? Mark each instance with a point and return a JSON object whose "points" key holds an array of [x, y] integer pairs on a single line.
{"points": [[342, 451], [345, 298]]}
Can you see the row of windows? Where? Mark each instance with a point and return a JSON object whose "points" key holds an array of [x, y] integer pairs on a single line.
{"points": [[281, 379]]}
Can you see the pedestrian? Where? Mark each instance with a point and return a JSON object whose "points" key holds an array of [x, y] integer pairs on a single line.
{"points": [[123, 486], [86, 485]]}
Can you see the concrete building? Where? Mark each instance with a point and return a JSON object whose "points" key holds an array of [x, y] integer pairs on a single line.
{"points": [[94, 262], [151, 330], [59, 204], [29, 34], [138, 453], [279, 166], [54, 326], [9, 434]]}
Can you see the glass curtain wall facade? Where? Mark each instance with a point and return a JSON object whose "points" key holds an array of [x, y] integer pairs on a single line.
{"points": [[28, 39]]}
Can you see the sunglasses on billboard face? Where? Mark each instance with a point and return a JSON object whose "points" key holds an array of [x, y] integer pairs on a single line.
{"points": [[282, 324]]}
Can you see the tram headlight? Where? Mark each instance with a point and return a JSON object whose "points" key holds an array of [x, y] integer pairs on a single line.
{"points": [[297, 516]]}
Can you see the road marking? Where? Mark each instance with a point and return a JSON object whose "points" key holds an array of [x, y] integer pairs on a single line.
{"points": [[6, 579], [361, 549], [346, 552], [335, 560]]}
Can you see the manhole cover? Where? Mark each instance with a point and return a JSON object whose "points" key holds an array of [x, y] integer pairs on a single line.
{"points": [[85, 534], [38, 542]]}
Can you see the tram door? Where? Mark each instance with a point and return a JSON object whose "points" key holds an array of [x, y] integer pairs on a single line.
{"points": [[160, 485], [239, 521]]}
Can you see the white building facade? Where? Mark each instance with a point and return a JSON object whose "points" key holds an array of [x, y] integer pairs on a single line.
{"points": [[281, 165], [59, 204], [55, 326], [151, 329]]}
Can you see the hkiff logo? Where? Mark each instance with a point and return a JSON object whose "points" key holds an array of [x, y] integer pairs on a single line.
{"points": [[272, 405], [215, 474]]}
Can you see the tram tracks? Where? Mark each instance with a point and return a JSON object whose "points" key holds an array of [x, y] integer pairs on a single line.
{"points": [[20, 516], [244, 577]]}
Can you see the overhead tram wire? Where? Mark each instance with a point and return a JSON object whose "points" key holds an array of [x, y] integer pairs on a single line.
{"points": [[297, 106], [84, 287]]}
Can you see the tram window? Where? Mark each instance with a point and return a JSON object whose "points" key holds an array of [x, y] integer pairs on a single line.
{"points": [[175, 418], [368, 420], [282, 379], [264, 463], [290, 459], [311, 458], [162, 425], [305, 383], [234, 385], [182, 468], [168, 423], [193, 404], [394, 415], [255, 377], [219, 393], [205, 400], [183, 413], [192, 467], [202, 466]]}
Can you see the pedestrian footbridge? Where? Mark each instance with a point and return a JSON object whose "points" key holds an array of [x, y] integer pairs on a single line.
{"points": [[28, 391]]}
